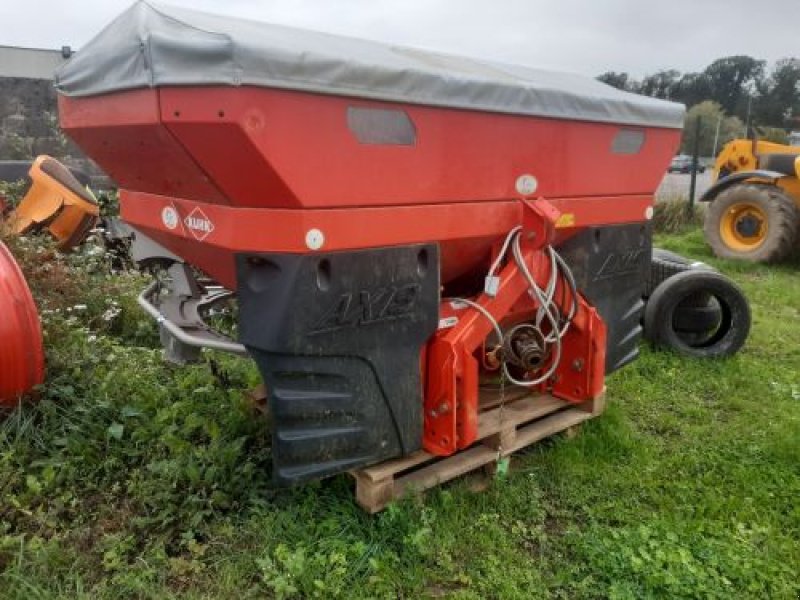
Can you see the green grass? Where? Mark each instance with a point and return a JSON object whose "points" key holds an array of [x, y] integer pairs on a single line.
{"points": [[673, 215], [131, 478]]}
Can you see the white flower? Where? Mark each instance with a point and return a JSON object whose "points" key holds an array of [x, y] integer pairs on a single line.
{"points": [[110, 313]]}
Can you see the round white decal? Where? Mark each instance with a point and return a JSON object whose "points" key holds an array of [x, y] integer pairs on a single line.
{"points": [[314, 239], [526, 185], [169, 216]]}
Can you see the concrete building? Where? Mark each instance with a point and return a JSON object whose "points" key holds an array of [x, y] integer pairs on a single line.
{"points": [[31, 63], [28, 109]]}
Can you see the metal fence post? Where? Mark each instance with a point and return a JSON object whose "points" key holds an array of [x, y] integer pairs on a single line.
{"points": [[695, 164]]}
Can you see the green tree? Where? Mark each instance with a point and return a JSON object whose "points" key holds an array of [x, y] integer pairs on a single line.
{"points": [[621, 81], [661, 84], [732, 81], [711, 117], [772, 134], [779, 94], [692, 88], [740, 86], [16, 147]]}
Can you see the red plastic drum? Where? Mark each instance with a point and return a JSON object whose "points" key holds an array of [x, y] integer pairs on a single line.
{"points": [[21, 351]]}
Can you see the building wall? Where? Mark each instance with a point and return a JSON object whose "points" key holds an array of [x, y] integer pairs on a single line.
{"points": [[27, 102], [27, 119], [28, 109], [29, 63]]}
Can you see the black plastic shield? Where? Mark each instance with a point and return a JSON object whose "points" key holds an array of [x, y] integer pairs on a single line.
{"points": [[610, 265], [337, 338]]}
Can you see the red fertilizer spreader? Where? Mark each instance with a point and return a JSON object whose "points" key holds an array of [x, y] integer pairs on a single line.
{"points": [[399, 228]]}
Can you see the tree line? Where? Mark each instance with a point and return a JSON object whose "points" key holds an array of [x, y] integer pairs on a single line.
{"points": [[731, 94]]}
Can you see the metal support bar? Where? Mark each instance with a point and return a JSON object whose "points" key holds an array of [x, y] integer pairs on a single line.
{"points": [[184, 336]]}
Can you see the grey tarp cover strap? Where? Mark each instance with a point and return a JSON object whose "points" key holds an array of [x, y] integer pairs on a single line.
{"points": [[153, 45]]}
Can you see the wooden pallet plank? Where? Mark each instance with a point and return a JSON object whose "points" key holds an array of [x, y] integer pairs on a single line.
{"points": [[490, 397], [257, 398], [520, 411], [445, 469], [524, 408], [396, 465], [373, 495], [520, 423], [547, 426], [504, 438], [596, 405]]}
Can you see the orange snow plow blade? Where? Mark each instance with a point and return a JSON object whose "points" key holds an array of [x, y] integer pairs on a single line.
{"points": [[58, 201]]}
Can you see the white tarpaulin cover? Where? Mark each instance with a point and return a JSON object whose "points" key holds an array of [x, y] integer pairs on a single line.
{"points": [[152, 45]]}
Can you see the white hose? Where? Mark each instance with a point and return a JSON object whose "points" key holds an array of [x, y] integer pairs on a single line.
{"points": [[483, 311], [503, 251], [546, 307], [546, 298]]}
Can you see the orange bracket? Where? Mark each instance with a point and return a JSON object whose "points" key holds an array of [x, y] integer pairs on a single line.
{"points": [[451, 395]]}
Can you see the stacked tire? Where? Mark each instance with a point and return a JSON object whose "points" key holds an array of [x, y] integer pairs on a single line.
{"points": [[693, 309]]}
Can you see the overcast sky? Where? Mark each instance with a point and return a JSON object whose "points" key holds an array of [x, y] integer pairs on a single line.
{"points": [[584, 36]]}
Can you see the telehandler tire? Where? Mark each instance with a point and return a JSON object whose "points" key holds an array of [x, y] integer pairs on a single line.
{"points": [[755, 222]]}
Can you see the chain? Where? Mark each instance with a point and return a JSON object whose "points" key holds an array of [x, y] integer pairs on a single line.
{"points": [[500, 414]]}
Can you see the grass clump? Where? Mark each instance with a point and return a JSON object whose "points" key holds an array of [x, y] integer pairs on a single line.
{"points": [[673, 215]]}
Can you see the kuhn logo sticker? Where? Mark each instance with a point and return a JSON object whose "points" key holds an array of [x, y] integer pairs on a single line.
{"points": [[199, 224]]}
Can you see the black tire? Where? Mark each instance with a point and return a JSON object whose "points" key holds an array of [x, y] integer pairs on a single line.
{"points": [[663, 265], [697, 319], [669, 256], [781, 216], [734, 324]]}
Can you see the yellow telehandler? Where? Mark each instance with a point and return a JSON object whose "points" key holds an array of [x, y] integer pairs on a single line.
{"points": [[754, 211]]}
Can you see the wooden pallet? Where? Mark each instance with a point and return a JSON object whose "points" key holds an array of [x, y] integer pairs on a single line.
{"points": [[523, 420]]}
